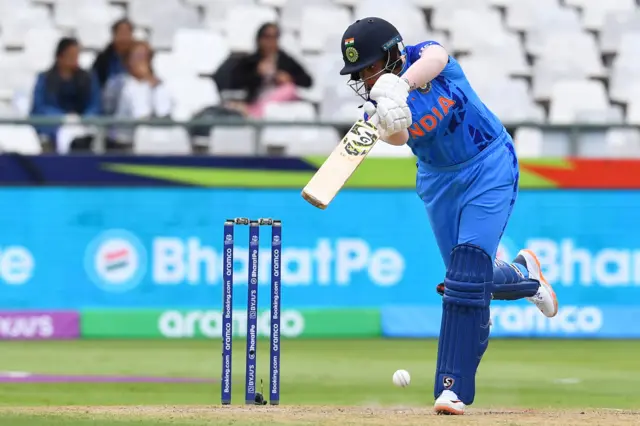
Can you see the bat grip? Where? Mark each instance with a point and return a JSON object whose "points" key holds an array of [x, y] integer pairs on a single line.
{"points": [[374, 119]]}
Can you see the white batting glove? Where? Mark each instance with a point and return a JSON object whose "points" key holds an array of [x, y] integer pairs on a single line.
{"points": [[392, 117], [390, 86], [390, 93]]}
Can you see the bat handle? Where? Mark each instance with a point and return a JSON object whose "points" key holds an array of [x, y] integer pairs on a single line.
{"points": [[374, 119]]}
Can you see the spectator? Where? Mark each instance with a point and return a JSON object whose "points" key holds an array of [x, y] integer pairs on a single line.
{"points": [[269, 74], [110, 61], [65, 89], [138, 93]]}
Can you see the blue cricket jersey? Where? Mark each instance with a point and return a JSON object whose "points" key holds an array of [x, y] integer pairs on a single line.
{"points": [[450, 125]]}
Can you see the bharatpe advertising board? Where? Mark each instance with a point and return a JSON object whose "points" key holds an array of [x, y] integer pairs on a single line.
{"points": [[155, 255]]}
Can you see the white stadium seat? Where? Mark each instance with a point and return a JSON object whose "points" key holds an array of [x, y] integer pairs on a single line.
{"points": [[161, 140], [569, 98], [548, 71], [615, 25], [296, 140], [594, 12], [291, 14], [16, 23], [20, 139], [406, 17], [215, 11], [39, 48], [189, 45], [228, 140], [579, 49], [320, 24], [623, 143], [242, 24], [525, 15], [443, 12], [192, 94]]}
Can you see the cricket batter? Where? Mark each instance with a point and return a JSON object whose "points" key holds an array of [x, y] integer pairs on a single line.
{"points": [[467, 179]]}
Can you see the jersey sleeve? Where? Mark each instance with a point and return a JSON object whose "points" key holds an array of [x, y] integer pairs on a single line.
{"points": [[451, 71]]}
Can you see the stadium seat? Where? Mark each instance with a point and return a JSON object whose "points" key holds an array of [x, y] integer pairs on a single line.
{"points": [[188, 47], [15, 76], [19, 21], [633, 99], [71, 13], [594, 12], [192, 94], [290, 43], [528, 142], [443, 12], [320, 24], [525, 15], [568, 98], [39, 48], [215, 11], [629, 45], [405, 16], [93, 35], [547, 72], [167, 68], [242, 24], [615, 25], [291, 13], [273, 3], [297, 140], [623, 143], [465, 33], [624, 73], [151, 140], [533, 142], [578, 49], [228, 140], [510, 100], [168, 20], [139, 12], [481, 71], [19, 139]]}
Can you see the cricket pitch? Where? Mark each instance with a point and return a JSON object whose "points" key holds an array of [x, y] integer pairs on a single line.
{"points": [[316, 415]]}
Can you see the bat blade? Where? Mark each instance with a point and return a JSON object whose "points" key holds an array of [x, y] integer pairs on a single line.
{"points": [[341, 163]]}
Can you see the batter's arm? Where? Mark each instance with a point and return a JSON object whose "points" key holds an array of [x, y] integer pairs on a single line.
{"points": [[432, 61], [397, 139]]}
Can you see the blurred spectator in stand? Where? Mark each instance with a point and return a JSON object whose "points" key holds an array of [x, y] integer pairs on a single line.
{"points": [[268, 74], [65, 90], [110, 61], [136, 94]]}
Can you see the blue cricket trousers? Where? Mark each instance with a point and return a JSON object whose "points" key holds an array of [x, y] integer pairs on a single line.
{"points": [[471, 202]]}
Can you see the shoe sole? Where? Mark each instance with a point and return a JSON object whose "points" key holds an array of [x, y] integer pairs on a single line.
{"points": [[447, 411], [545, 283]]}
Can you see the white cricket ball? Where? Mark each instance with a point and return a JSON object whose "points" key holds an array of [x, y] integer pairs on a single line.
{"points": [[401, 378]]}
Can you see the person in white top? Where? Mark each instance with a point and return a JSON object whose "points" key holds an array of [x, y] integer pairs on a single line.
{"points": [[137, 94]]}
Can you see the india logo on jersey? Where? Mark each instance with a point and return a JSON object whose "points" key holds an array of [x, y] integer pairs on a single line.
{"points": [[426, 88]]}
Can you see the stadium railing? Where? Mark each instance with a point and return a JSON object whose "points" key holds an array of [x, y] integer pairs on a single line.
{"points": [[101, 125]]}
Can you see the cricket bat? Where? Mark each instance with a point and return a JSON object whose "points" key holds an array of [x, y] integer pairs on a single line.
{"points": [[341, 163]]}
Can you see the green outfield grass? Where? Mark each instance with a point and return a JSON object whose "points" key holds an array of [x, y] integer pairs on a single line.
{"points": [[515, 373]]}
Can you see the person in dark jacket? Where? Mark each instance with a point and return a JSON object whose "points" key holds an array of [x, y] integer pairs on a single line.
{"points": [[110, 61], [65, 89], [268, 74]]}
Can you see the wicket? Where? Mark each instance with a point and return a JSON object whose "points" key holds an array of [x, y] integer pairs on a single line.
{"points": [[251, 396]]}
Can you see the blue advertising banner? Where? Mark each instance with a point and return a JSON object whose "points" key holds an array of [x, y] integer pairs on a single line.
{"points": [[64, 248], [522, 319]]}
